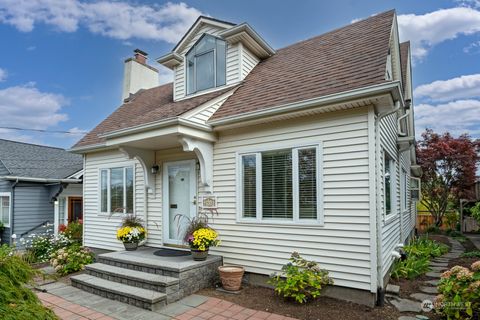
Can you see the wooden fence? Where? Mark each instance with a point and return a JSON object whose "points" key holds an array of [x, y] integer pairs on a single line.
{"points": [[425, 219]]}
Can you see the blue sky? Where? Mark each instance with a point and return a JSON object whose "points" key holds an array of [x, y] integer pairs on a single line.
{"points": [[61, 63]]}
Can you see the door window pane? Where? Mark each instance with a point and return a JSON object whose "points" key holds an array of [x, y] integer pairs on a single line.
{"points": [[307, 183], [277, 201], [249, 186], [116, 189]]}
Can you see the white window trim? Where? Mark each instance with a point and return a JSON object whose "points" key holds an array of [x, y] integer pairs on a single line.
{"points": [[295, 192], [393, 189], [9, 195], [99, 187]]}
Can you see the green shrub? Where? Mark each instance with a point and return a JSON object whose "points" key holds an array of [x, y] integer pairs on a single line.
{"points": [[475, 211], [459, 293], [39, 247], [16, 300], [433, 229], [74, 231], [71, 259], [410, 268], [471, 254], [301, 279], [419, 252]]}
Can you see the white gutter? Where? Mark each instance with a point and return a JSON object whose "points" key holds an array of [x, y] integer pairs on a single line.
{"points": [[42, 180], [392, 87]]}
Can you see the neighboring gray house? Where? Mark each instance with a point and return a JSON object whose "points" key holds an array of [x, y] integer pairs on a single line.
{"points": [[38, 184]]}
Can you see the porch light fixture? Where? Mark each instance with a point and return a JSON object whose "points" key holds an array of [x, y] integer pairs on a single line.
{"points": [[155, 169]]}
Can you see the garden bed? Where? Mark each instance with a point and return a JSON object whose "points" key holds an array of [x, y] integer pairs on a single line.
{"points": [[264, 299]]}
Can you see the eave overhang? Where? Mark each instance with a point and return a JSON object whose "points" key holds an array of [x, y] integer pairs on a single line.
{"points": [[170, 60], [250, 38]]}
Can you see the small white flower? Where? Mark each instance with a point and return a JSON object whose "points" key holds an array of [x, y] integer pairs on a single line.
{"points": [[14, 236]]}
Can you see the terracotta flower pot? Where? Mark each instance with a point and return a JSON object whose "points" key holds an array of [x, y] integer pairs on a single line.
{"points": [[231, 277], [199, 255], [130, 246]]}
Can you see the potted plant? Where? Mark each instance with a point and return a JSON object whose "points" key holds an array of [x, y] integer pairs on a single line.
{"points": [[131, 232], [231, 277], [200, 241]]}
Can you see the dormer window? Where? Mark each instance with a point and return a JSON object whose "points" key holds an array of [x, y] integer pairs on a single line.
{"points": [[206, 64]]}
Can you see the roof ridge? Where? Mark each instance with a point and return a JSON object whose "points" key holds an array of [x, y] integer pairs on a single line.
{"points": [[32, 144], [338, 29]]}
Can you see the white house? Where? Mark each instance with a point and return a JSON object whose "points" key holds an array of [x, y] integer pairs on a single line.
{"points": [[308, 148]]}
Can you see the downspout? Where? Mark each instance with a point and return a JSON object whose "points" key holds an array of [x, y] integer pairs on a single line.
{"points": [[380, 285], [399, 126], [12, 214]]}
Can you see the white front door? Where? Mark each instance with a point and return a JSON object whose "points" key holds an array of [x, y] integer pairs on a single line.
{"points": [[179, 194]]}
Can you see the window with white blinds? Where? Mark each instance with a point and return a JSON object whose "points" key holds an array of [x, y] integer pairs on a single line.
{"points": [[281, 185], [5, 208]]}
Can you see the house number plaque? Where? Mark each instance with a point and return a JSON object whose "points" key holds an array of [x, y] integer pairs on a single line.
{"points": [[209, 202]]}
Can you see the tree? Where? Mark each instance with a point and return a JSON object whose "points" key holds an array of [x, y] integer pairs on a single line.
{"points": [[449, 165]]}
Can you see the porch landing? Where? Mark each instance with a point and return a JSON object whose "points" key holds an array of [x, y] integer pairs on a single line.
{"points": [[142, 279]]}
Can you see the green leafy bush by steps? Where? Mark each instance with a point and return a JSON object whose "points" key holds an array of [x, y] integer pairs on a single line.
{"points": [[459, 293], [301, 280], [419, 252], [71, 259], [74, 231], [17, 302]]}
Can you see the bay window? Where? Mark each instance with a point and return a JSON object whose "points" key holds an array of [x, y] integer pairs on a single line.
{"points": [[116, 190], [206, 64], [280, 185]]}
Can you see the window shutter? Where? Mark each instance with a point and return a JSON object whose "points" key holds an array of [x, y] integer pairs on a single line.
{"points": [[307, 183], [277, 202], [249, 177]]}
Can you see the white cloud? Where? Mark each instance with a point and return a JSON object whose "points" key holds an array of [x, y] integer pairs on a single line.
{"points": [[27, 107], [165, 75], [3, 74], [31, 48], [425, 31], [115, 19], [457, 117], [472, 48], [463, 87]]}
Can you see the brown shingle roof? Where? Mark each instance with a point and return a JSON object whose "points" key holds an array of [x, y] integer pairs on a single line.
{"points": [[145, 107], [344, 59], [404, 49]]}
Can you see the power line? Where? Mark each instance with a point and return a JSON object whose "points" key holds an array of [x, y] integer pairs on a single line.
{"points": [[44, 131]]}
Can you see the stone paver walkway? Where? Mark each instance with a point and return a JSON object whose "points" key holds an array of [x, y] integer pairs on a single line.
{"points": [[70, 303], [475, 238], [437, 265]]}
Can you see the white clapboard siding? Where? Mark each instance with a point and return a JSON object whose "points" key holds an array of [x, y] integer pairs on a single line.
{"points": [[391, 227], [100, 230], [249, 61], [233, 63], [342, 245]]}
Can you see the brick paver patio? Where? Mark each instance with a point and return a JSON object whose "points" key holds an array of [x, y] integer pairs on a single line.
{"points": [[212, 308], [67, 310], [217, 309]]}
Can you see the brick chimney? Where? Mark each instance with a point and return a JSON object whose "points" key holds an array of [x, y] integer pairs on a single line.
{"points": [[138, 74]]}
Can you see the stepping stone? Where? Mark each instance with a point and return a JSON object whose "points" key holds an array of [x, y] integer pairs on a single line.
{"points": [[406, 305], [432, 282], [433, 274], [441, 260], [438, 269], [393, 289], [429, 289], [439, 264], [407, 318], [422, 296]]}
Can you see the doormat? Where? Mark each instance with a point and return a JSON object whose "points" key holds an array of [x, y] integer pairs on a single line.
{"points": [[171, 253]]}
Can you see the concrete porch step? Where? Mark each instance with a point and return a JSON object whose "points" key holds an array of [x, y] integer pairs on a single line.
{"points": [[143, 298], [134, 278]]}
